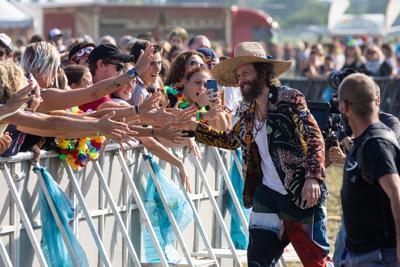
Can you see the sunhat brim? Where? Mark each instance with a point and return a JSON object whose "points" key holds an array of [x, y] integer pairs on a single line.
{"points": [[224, 72]]}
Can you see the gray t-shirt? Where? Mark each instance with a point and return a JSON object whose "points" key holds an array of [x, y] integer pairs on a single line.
{"points": [[139, 93]]}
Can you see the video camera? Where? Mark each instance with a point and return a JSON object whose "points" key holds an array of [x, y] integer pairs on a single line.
{"points": [[328, 115]]}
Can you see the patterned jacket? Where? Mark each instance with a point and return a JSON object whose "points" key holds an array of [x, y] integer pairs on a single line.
{"points": [[295, 143]]}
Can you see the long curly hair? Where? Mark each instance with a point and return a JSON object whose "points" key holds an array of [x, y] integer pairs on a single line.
{"points": [[177, 70], [12, 79]]}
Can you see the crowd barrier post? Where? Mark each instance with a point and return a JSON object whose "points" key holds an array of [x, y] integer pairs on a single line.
{"points": [[198, 224], [4, 255], [76, 188], [24, 216], [57, 218], [216, 210], [142, 209], [230, 188], [171, 217], [117, 216]]}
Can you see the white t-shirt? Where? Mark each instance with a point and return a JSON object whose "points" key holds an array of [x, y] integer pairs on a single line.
{"points": [[270, 175]]}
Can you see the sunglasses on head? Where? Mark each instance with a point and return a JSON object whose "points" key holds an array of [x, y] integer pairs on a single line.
{"points": [[84, 51]]}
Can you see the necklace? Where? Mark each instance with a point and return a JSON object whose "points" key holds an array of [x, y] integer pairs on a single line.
{"points": [[261, 124]]}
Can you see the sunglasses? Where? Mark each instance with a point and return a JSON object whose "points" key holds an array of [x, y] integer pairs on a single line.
{"points": [[195, 63], [152, 89], [118, 66]]}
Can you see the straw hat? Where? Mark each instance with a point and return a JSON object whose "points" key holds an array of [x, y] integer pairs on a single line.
{"points": [[245, 53]]}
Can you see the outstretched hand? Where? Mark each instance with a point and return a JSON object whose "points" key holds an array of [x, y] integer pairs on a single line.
{"points": [[150, 103], [172, 133], [114, 129], [143, 62], [20, 97]]}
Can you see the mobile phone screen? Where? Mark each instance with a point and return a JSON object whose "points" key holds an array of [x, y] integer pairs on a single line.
{"points": [[212, 85]]}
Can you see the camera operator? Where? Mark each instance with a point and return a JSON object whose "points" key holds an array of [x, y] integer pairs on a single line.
{"points": [[371, 184], [337, 154], [337, 151]]}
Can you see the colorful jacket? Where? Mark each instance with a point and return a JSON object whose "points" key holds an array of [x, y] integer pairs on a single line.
{"points": [[295, 143]]}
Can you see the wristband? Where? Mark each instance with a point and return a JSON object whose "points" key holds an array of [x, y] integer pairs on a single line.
{"points": [[132, 73], [136, 109]]}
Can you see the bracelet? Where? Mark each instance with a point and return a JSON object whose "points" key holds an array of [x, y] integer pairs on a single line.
{"points": [[136, 109], [132, 73]]}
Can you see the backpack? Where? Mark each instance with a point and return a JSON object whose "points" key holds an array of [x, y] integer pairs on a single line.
{"points": [[383, 134]]}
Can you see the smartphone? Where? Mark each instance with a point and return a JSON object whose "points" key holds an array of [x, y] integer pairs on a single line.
{"points": [[212, 85]]}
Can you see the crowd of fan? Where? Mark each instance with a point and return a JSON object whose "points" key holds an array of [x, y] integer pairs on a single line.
{"points": [[131, 90], [366, 55]]}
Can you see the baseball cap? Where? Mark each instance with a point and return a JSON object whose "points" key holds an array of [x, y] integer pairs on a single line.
{"points": [[5, 41], [54, 33], [209, 54], [110, 52]]}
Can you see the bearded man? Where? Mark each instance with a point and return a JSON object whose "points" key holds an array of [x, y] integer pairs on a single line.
{"points": [[283, 159]]}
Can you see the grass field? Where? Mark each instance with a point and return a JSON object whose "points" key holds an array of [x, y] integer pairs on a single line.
{"points": [[334, 179]]}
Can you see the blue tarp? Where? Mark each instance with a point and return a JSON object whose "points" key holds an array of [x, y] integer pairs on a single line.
{"points": [[52, 243], [180, 208], [238, 234]]}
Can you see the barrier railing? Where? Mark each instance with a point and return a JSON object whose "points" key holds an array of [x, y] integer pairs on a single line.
{"points": [[314, 89], [116, 195], [110, 211]]}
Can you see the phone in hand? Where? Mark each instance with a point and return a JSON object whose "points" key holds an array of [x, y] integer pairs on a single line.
{"points": [[212, 85], [212, 88]]}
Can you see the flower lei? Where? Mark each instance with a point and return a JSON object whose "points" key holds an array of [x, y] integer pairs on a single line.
{"points": [[185, 103], [78, 152]]}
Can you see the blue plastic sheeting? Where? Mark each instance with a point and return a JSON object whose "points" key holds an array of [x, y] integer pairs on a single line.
{"points": [[52, 243], [180, 208], [238, 234]]}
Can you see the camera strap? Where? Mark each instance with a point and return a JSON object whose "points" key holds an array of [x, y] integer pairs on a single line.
{"points": [[380, 134]]}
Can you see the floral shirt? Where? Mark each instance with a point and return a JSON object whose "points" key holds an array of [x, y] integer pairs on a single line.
{"points": [[295, 143]]}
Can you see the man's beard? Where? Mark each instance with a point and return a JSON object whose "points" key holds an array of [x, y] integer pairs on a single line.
{"points": [[255, 90]]}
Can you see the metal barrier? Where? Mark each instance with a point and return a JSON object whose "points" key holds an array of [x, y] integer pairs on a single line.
{"points": [[313, 90], [111, 203], [114, 202]]}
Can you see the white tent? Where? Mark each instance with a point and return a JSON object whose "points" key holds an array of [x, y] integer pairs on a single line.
{"points": [[13, 17]]}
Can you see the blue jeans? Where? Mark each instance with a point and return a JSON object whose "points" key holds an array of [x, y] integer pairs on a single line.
{"points": [[376, 258], [339, 253]]}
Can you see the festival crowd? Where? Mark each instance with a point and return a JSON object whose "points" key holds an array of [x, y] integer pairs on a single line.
{"points": [[75, 95]]}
